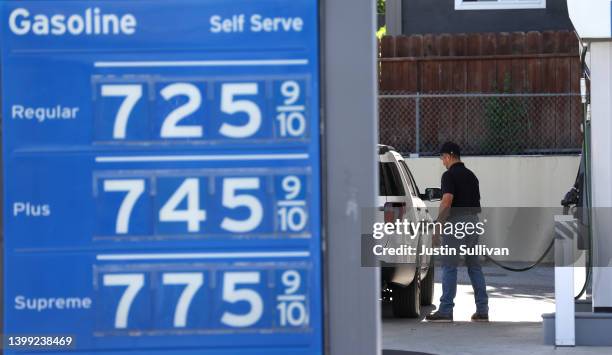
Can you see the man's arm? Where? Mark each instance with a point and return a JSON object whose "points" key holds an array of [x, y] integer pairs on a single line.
{"points": [[445, 206], [448, 191], [448, 188]]}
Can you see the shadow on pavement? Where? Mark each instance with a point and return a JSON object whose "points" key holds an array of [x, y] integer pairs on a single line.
{"points": [[387, 312]]}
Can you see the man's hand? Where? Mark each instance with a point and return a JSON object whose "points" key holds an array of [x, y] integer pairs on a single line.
{"points": [[435, 240], [445, 206]]}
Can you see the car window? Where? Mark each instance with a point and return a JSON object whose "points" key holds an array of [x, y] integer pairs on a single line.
{"points": [[413, 185], [391, 180], [382, 191], [406, 174]]}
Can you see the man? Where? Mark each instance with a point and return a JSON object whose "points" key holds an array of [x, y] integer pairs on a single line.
{"points": [[460, 204]]}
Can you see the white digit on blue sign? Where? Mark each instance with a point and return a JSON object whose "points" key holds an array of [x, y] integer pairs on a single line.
{"points": [[292, 313], [134, 189], [232, 295], [169, 128], [132, 94], [291, 92], [292, 309], [230, 106], [193, 282], [292, 186], [291, 118], [291, 124], [293, 218], [134, 283], [233, 200], [291, 279], [292, 213], [193, 215]]}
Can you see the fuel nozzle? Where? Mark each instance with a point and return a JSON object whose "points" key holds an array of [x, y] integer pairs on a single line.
{"points": [[571, 198]]}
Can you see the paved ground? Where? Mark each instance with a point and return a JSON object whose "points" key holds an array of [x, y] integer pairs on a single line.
{"points": [[517, 301]]}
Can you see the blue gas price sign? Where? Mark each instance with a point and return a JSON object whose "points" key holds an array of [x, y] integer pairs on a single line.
{"points": [[161, 170]]}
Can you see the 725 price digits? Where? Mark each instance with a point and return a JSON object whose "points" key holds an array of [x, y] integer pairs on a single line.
{"points": [[182, 110]]}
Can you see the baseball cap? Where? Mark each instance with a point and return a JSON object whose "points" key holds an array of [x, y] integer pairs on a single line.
{"points": [[450, 148]]}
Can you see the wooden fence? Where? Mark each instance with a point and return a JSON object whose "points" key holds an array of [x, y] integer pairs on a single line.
{"points": [[524, 63]]}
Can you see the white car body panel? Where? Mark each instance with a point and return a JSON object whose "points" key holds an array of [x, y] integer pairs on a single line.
{"points": [[416, 210]]}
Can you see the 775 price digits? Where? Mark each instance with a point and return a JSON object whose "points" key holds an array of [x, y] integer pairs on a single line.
{"points": [[186, 299]]}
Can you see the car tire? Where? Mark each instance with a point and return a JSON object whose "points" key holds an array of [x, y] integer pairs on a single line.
{"points": [[427, 286], [406, 300]]}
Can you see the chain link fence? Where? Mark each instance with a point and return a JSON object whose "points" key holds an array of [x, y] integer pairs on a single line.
{"points": [[482, 124]]}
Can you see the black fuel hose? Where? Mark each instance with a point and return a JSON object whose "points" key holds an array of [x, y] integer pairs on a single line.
{"points": [[587, 169], [527, 268], [586, 154]]}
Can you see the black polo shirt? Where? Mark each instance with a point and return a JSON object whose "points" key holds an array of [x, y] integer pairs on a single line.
{"points": [[463, 185]]}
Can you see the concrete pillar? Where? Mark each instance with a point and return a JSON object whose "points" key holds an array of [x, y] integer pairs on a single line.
{"points": [[601, 173]]}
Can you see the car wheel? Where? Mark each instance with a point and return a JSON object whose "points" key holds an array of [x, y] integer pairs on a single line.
{"points": [[406, 301], [427, 285]]}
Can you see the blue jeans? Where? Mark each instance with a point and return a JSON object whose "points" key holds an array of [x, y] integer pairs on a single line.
{"points": [[449, 276]]}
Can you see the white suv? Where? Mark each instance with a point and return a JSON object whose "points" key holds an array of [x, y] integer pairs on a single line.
{"points": [[409, 283]]}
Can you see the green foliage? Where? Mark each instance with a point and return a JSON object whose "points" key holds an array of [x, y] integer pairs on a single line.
{"points": [[506, 122], [380, 5]]}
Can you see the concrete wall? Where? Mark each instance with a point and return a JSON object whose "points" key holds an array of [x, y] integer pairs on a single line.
{"points": [[521, 181], [514, 183]]}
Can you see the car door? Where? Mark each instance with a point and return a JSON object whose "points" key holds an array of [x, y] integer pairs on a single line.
{"points": [[398, 199], [407, 199], [420, 208]]}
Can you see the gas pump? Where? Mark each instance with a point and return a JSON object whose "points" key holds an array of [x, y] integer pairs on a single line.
{"points": [[593, 24]]}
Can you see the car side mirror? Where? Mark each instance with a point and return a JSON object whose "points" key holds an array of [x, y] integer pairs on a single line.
{"points": [[432, 194]]}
